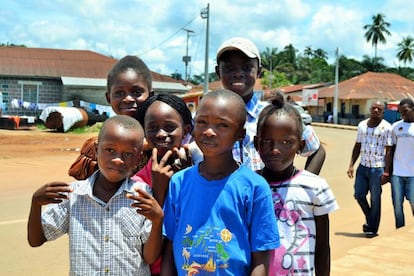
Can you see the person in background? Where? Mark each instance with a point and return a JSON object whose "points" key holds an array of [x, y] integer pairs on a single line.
{"points": [[218, 215], [238, 67], [302, 200], [400, 161], [373, 142], [114, 225], [129, 85]]}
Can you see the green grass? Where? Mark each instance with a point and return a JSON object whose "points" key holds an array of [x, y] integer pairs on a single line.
{"points": [[86, 129]]}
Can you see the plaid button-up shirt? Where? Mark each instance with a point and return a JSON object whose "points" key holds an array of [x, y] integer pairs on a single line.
{"points": [[245, 152], [104, 237]]}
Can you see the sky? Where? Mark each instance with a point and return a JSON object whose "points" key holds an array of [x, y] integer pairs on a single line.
{"points": [[156, 30]]}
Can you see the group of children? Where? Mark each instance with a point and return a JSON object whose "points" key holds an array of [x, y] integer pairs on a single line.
{"points": [[225, 214]]}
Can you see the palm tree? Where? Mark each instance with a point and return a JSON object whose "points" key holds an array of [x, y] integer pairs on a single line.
{"points": [[375, 31], [269, 58], [406, 50]]}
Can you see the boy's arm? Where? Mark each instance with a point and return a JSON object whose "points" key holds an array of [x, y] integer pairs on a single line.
{"points": [[322, 248], [53, 192], [152, 248], [315, 162], [260, 263], [35, 234], [167, 264]]}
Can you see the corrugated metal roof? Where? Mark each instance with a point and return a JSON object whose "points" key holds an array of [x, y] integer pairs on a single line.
{"points": [[56, 63], [372, 85], [72, 81]]}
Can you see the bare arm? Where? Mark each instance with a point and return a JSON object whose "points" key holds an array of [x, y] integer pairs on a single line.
{"points": [[322, 248], [389, 156], [260, 263], [315, 162], [49, 193], [167, 264], [355, 154]]}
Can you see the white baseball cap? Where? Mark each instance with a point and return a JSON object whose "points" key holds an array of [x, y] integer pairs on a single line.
{"points": [[241, 44]]}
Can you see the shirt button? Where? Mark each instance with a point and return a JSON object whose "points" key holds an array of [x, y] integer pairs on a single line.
{"points": [[106, 238], [107, 209], [106, 270]]}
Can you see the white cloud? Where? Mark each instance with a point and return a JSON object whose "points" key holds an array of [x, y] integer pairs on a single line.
{"points": [[154, 29]]}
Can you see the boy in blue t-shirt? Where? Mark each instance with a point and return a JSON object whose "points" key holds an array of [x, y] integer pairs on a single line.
{"points": [[218, 215]]}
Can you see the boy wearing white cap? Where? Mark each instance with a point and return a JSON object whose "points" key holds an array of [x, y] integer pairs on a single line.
{"points": [[238, 66]]}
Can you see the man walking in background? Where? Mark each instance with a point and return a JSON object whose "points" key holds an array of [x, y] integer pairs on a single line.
{"points": [[372, 143]]}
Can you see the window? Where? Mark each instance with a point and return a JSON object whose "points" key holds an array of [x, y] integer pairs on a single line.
{"points": [[29, 91]]}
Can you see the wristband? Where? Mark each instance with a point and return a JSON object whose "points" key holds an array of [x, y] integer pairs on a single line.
{"points": [[386, 174]]}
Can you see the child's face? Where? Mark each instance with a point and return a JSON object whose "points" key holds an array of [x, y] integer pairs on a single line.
{"points": [[128, 92], [164, 127], [118, 152], [217, 126], [278, 142], [238, 73]]}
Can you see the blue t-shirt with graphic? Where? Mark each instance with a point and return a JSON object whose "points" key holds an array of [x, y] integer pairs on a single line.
{"points": [[216, 225]]}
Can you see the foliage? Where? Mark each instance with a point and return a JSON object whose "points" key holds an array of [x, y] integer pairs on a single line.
{"points": [[406, 50], [376, 31]]}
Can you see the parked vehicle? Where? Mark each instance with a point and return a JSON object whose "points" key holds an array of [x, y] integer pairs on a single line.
{"points": [[306, 118]]}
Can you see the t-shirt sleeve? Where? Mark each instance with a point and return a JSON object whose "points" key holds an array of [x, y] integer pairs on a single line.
{"points": [[55, 220], [324, 200], [312, 142]]}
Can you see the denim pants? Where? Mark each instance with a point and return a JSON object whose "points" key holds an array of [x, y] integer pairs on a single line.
{"points": [[369, 180], [401, 186]]}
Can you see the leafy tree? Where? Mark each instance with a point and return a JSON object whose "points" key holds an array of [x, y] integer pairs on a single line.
{"points": [[269, 58], [376, 31], [176, 76], [349, 68], [406, 50], [8, 44], [373, 64], [274, 79], [320, 53]]}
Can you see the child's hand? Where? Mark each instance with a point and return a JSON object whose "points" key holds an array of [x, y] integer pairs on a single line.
{"points": [[146, 205], [182, 158], [53, 192]]}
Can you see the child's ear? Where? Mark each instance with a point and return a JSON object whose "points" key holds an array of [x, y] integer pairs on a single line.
{"points": [[217, 71], [108, 97], [301, 146], [259, 71], [242, 134], [95, 144], [187, 130]]}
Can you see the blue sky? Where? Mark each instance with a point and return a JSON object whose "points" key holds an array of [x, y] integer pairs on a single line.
{"points": [[154, 29]]}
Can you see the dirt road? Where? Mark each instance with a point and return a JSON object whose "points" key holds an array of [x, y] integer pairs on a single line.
{"points": [[30, 158]]}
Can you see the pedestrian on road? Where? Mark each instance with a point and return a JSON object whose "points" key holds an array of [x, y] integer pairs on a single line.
{"points": [[372, 144], [402, 156]]}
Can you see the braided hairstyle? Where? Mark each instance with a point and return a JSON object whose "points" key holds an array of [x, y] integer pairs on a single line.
{"points": [[172, 100]]}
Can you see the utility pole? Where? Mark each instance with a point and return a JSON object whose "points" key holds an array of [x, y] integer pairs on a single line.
{"points": [[205, 14], [335, 103], [187, 58]]}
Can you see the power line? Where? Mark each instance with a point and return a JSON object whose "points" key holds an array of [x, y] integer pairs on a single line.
{"points": [[168, 38]]}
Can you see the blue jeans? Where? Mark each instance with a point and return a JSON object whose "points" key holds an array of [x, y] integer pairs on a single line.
{"points": [[369, 180], [401, 186]]}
